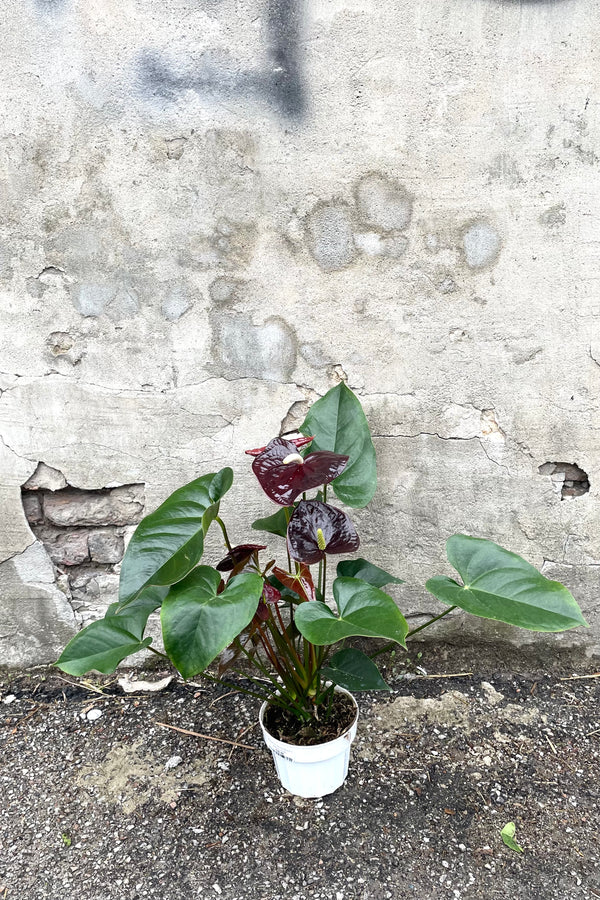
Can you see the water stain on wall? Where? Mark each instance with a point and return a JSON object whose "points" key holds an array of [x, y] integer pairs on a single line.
{"points": [[245, 350]]}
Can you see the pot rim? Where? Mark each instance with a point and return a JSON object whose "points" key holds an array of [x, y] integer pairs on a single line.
{"points": [[346, 737]]}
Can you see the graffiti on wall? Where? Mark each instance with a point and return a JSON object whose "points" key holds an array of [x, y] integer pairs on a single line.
{"points": [[276, 80]]}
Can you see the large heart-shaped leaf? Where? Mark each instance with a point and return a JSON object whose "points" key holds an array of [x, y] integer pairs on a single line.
{"points": [[364, 611], [198, 623], [366, 571], [339, 424], [500, 585], [134, 617], [355, 671], [102, 645], [169, 542]]}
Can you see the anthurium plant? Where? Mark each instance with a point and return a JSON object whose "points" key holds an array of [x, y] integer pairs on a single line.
{"points": [[286, 624]]}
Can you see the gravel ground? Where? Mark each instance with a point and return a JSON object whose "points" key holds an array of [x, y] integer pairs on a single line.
{"points": [[100, 801]]}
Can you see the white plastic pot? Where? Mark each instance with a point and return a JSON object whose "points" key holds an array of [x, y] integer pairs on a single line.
{"points": [[312, 771]]}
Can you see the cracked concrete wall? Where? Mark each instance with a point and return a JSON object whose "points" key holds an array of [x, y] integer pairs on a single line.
{"points": [[210, 212]]}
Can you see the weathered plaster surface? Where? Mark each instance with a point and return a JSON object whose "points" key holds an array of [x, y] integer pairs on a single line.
{"points": [[209, 213]]}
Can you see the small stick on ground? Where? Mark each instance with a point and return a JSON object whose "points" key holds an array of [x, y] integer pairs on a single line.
{"points": [[454, 675], [82, 684], [206, 737], [222, 697], [581, 677]]}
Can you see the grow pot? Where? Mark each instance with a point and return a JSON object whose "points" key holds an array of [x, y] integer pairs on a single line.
{"points": [[315, 770]]}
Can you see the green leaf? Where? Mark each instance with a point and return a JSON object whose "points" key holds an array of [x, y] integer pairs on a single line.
{"points": [[102, 645], [508, 836], [353, 670], [275, 524], [209, 516], [198, 623], [134, 617], [364, 611], [366, 571], [500, 585], [220, 484], [339, 424], [169, 542]]}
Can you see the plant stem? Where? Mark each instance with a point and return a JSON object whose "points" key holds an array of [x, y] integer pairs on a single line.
{"points": [[158, 653], [431, 621], [392, 644], [236, 687], [224, 530]]}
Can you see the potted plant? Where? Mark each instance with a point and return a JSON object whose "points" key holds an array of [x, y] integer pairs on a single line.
{"points": [[278, 622]]}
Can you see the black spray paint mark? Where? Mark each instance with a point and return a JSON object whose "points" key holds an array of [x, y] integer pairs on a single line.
{"points": [[220, 76], [51, 7]]}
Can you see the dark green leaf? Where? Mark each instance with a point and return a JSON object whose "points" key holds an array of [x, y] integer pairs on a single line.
{"points": [[209, 516], [275, 524], [134, 616], [500, 585], [169, 542], [353, 670], [364, 611], [339, 424], [102, 645], [366, 571], [220, 484], [198, 623]]}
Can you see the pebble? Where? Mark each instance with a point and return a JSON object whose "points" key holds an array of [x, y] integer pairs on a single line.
{"points": [[94, 714], [172, 762], [10, 698]]}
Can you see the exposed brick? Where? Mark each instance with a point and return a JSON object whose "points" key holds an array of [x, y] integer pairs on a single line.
{"points": [[69, 548], [106, 546], [119, 506]]}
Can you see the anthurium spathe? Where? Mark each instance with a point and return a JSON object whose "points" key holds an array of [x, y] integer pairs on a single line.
{"points": [[284, 474], [238, 556], [317, 529]]}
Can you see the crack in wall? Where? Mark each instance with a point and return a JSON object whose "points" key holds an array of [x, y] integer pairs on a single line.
{"points": [[475, 437]]}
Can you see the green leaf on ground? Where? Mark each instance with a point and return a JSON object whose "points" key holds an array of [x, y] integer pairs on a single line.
{"points": [[508, 836]]}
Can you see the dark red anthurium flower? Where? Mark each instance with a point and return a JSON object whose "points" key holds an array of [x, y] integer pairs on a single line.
{"points": [[270, 594], [297, 442], [237, 555], [283, 473], [317, 529]]}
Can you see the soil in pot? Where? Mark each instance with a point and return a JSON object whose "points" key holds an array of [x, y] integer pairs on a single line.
{"points": [[330, 725]]}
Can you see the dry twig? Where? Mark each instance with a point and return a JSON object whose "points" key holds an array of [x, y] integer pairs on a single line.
{"points": [[206, 737]]}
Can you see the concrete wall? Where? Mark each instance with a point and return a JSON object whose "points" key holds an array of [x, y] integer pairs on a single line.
{"points": [[212, 211]]}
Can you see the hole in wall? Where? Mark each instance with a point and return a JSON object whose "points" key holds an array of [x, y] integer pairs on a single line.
{"points": [[567, 479], [84, 532]]}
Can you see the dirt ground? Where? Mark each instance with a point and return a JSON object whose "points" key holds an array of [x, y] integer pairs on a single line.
{"points": [[101, 801]]}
